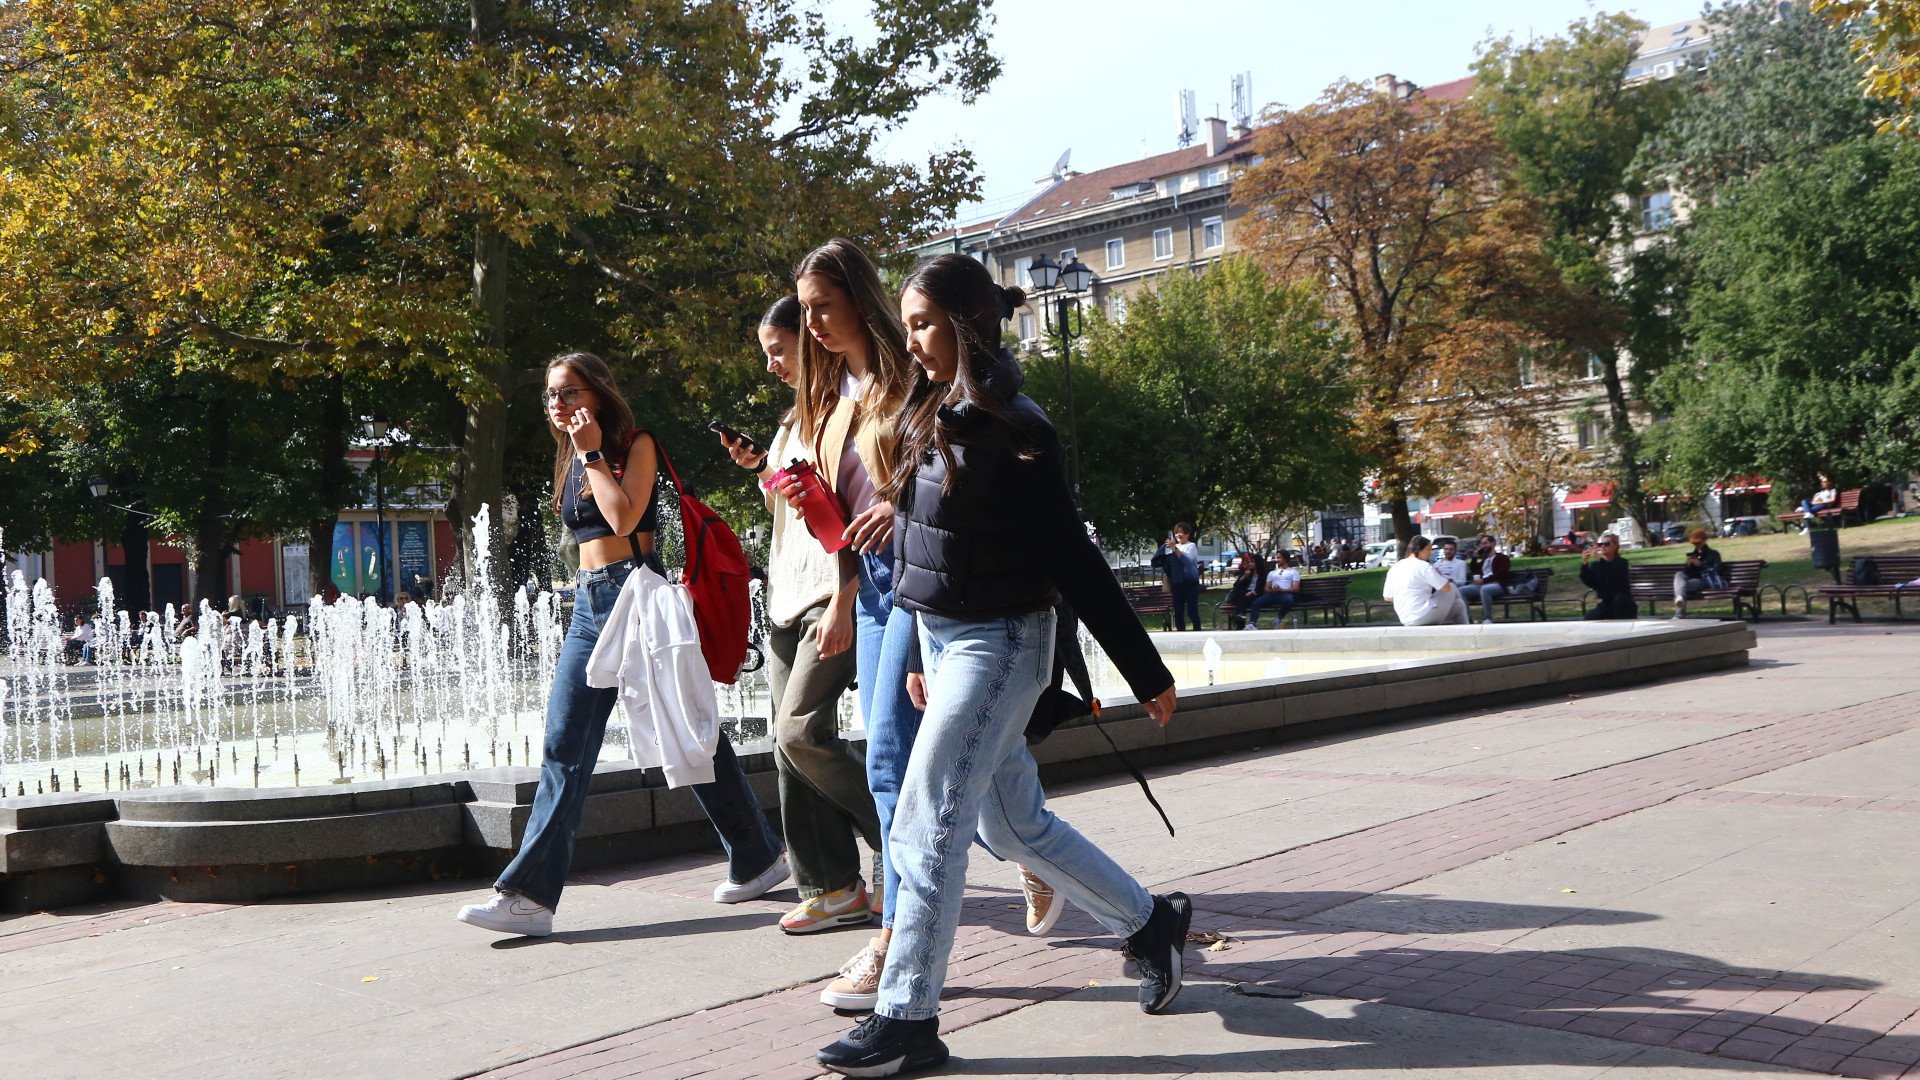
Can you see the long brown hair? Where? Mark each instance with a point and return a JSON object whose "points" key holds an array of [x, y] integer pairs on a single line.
{"points": [[976, 305], [614, 416], [844, 263]]}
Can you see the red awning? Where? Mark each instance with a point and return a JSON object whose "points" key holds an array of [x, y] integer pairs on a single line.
{"points": [[1743, 485], [1588, 497], [1455, 506]]}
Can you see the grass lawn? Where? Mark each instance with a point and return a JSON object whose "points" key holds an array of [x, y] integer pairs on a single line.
{"points": [[1788, 563]]}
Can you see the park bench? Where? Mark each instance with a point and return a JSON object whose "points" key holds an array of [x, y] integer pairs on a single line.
{"points": [[1534, 600], [1148, 601], [1847, 506], [1652, 583], [1326, 594], [1894, 571]]}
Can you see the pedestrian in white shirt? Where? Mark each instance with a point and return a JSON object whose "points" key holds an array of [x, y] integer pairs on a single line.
{"points": [[1421, 595], [1451, 567]]}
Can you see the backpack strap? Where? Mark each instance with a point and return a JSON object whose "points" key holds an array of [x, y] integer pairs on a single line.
{"points": [[619, 465]]}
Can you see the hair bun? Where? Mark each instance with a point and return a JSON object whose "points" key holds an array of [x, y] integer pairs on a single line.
{"points": [[1013, 296]]}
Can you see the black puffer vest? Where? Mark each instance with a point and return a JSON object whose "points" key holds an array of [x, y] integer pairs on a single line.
{"points": [[971, 552]]}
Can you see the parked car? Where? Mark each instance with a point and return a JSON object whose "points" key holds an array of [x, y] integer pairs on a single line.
{"points": [[1381, 552], [1559, 545]]}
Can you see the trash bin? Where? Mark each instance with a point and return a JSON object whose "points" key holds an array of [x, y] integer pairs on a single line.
{"points": [[1825, 546]]}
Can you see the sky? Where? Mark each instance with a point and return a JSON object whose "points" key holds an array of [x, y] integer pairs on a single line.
{"points": [[1101, 77]]}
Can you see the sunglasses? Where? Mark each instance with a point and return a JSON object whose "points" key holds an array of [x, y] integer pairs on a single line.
{"points": [[566, 395]]}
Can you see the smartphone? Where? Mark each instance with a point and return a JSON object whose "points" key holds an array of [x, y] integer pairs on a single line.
{"points": [[746, 442]]}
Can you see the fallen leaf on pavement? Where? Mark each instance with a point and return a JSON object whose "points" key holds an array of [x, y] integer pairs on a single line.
{"points": [[369, 978]]}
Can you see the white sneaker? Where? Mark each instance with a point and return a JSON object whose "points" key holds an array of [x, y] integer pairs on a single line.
{"points": [[732, 892], [509, 913]]}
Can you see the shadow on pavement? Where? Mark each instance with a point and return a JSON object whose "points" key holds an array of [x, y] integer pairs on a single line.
{"points": [[719, 924]]}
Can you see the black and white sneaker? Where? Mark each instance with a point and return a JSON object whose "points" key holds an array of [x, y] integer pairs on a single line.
{"points": [[883, 1046], [1156, 950]]}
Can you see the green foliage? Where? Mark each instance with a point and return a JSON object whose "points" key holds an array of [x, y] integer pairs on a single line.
{"points": [[1889, 47], [1562, 107], [279, 189], [1804, 325], [1223, 395], [1781, 87]]}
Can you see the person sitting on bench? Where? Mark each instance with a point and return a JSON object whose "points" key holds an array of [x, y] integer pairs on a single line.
{"points": [[1701, 572], [1608, 578]]}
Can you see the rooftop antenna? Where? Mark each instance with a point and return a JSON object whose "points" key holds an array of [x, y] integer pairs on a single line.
{"points": [[1243, 100], [1189, 117]]}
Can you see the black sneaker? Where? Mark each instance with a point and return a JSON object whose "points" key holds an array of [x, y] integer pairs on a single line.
{"points": [[1156, 950], [883, 1046]]}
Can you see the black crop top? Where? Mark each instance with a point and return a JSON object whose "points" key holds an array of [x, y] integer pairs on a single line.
{"points": [[583, 516]]}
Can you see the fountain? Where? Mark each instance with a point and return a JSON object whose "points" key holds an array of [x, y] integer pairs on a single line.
{"points": [[181, 697], [217, 759]]}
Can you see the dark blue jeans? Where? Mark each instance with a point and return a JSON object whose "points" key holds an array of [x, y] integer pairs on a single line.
{"points": [[1281, 603], [576, 725], [1186, 605]]}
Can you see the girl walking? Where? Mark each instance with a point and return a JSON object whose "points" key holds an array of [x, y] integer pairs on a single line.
{"points": [[611, 512], [987, 537], [824, 801]]}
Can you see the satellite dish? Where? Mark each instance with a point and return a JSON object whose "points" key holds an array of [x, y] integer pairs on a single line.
{"points": [[1060, 167]]}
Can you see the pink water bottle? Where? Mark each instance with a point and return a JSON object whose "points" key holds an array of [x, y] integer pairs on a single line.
{"points": [[826, 519]]}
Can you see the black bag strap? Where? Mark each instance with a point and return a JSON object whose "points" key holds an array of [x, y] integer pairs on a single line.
{"points": [[1132, 770]]}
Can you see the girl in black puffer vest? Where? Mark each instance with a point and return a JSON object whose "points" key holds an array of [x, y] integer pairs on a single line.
{"points": [[986, 539]]}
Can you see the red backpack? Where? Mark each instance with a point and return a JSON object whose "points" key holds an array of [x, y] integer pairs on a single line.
{"points": [[716, 576]]}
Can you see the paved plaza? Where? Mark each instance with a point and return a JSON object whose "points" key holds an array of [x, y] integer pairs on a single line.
{"points": [[1716, 874]]}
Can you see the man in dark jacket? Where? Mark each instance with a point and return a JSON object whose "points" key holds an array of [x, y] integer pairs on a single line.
{"points": [[1607, 577], [1490, 575]]}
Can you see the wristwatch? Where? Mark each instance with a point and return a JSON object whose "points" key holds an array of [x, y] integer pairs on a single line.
{"points": [[590, 457]]}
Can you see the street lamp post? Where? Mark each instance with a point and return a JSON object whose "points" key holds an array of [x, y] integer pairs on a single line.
{"points": [[136, 585], [1062, 313], [379, 425]]}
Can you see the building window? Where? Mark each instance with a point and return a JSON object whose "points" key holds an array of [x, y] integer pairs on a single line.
{"points": [[1163, 243], [1587, 432], [1067, 255], [1596, 368], [1026, 327], [1023, 272], [1117, 306], [1656, 211], [1213, 176], [1213, 234], [1526, 371], [1116, 254]]}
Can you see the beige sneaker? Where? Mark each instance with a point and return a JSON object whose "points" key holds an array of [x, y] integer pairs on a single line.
{"points": [[857, 989], [1043, 907]]}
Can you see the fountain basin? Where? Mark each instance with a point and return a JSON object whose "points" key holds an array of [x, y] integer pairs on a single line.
{"points": [[238, 844]]}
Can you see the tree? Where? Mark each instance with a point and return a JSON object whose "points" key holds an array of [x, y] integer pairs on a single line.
{"points": [[1397, 215], [1563, 107], [460, 187], [1220, 396], [1889, 45], [1781, 87], [1804, 331]]}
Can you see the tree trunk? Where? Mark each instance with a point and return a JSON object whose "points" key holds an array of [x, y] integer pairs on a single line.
{"points": [[479, 469], [335, 482], [209, 533], [1403, 529], [1625, 443], [136, 587]]}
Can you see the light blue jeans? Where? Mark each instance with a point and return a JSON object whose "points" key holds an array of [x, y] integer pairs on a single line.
{"points": [[882, 640], [970, 770]]}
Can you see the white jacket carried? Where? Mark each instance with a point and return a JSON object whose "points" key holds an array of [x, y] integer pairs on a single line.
{"points": [[650, 649]]}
